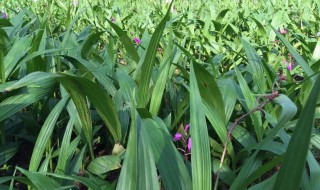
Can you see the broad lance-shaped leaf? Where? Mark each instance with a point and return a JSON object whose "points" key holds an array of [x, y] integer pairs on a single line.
{"points": [[147, 64], [170, 164], [96, 95], [139, 170], [17, 51], [161, 82], [7, 151], [249, 103], [255, 65], [213, 104], [90, 41], [66, 150], [40, 181], [127, 42], [101, 101], [77, 93], [45, 134], [290, 173], [200, 151], [128, 178], [27, 96], [104, 164]]}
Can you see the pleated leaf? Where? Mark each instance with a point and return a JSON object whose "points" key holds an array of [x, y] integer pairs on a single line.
{"points": [[45, 134], [26, 96], [250, 103], [212, 102], [126, 41], [104, 164], [128, 178], [40, 181], [66, 150], [255, 65], [200, 151], [17, 51], [159, 87], [100, 100], [148, 62], [86, 181], [77, 93], [172, 169], [7, 151]]}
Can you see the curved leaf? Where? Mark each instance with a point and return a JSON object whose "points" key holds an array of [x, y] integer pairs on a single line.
{"points": [[200, 152]]}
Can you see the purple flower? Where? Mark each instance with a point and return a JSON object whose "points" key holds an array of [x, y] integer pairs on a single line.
{"points": [[177, 137], [4, 15], [189, 144], [186, 128], [137, 40], [113, 19], [290, 66], [284, 31]]}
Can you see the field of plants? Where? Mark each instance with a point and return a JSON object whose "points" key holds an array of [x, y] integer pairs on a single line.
{"points": [[141, 94]]}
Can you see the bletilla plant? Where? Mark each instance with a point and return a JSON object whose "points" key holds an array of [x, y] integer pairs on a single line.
{"points": [[143, 95]]}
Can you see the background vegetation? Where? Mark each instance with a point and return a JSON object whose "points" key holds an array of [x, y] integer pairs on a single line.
{"points": [[153, 95]]}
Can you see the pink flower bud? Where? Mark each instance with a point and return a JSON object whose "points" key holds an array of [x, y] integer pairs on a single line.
{"points": [[189, 144], [177, 137], [137, 40], [290, 65], [186, 128]]}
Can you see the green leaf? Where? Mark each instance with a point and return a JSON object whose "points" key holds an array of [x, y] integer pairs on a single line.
{"points": [[17, 51], [7, 151], [229, 95], [250, 103], [314, 171], [86, 181], [45, 134], [255, 66], [101, 77], [100, 100], [39, 180], [66, 150], [200, 153], [77, 93], [212, 102], [25, 97], [316, 54], [90, 41], [128, 178], [172, 169], [148, 61], [126, 41], [159, 87], [290, 173], [104, 164]]}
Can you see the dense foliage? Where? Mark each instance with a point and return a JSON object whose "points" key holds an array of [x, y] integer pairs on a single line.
{"points": [[156, 95]]}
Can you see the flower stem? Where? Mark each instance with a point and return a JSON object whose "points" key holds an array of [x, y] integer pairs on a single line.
{"points": [[270, 97]]}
